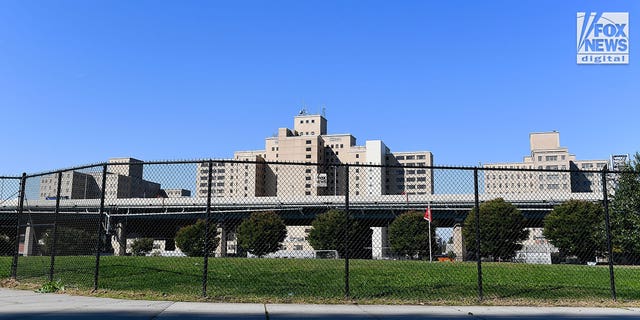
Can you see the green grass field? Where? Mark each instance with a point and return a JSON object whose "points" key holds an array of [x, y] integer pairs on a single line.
{"points": [[322, 281]]}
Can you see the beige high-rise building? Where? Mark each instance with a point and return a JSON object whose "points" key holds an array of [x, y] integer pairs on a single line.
{"points": [[124, 180], [321, 155], [546, 153]]}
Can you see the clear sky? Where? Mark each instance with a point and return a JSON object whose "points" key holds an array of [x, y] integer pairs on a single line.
{"points": [[83, 81]]}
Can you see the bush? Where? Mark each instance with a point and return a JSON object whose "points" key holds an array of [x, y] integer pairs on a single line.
{"points": [[576, 228], [142, 246], [328, 233], [190, 239], [70, 241], [262, 233], [501, 230], [409, 236], [7, 245]]}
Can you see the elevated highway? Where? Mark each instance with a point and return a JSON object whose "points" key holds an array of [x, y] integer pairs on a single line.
{"points": [[447, 209]]}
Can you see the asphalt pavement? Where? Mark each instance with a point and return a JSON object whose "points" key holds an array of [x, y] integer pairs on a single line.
{"points": [[20, 304]]}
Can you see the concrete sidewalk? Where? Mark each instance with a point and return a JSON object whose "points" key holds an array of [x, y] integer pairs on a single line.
{"points": [[17, 304]]}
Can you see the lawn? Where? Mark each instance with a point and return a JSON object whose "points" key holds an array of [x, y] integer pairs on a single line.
{"points": [[322, 281]]}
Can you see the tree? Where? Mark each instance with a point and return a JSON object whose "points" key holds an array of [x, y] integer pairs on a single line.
{"points": [[576, 228], [409, 235], [501, 230], [329, 230], [142, 246], [69, 241], [261, 233], [625, 214], [7, 245], [190, 239]]}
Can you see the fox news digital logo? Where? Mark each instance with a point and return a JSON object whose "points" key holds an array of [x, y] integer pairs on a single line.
{"points": [[603, 38]]}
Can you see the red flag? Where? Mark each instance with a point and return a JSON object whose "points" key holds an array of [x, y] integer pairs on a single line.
{"points": [[427, 214]]}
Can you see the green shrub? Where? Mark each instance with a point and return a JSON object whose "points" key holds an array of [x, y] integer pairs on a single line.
{"points": [[70, 241], [190, 239], [142, 246], [328, 233], [409, 236], [262, 233]]}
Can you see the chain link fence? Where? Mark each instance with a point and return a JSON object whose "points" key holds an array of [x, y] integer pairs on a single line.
{"points": [[259, 231]]}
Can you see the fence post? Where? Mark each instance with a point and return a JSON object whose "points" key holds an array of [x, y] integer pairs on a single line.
{"points": [[100, 217], [205, 265], [14, 263], [55, 227], [605, 199], [347, 291], [477, 208]]}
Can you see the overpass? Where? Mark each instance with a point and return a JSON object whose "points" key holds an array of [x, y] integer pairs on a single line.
{"points": [[447, 209]]}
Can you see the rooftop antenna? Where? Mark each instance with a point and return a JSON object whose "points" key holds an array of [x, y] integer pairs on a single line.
{"points": [[303, 111], [324, 112]]}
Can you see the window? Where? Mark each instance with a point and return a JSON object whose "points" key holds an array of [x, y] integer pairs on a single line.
{"points": [[421, 171], [539, 158], [307, 171], [307, 193], [551, 158], [411, 179], [308, 142], [357, 155], [410, 157], [400, 158], [420, 157], [341, 145], [308, 156], [411, 171], [422, 179], [307, 185], [297, 247], [313, 121]]}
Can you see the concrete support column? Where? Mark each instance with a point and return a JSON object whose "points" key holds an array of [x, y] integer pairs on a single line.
{"points": [[119, 240], [458, 243], [223, 240], [380, 242], [29, 241]]}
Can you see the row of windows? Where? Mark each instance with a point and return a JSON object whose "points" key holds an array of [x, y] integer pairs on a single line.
{"points": [[411, 157], [402, 171], [552, 186], [307, 121], [551, 158]]}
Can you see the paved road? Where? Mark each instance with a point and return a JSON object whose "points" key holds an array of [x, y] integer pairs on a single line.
{"points": [[16, 304]]}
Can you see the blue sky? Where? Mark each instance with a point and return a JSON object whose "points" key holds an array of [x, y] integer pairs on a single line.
{"points": [[83, 81]]}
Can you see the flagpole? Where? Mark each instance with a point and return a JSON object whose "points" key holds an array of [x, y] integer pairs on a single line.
{"points": [[430, 257], [430, 218]]}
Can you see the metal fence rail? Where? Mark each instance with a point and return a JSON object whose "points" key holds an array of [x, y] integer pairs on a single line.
{"points": [[284, 231]]}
